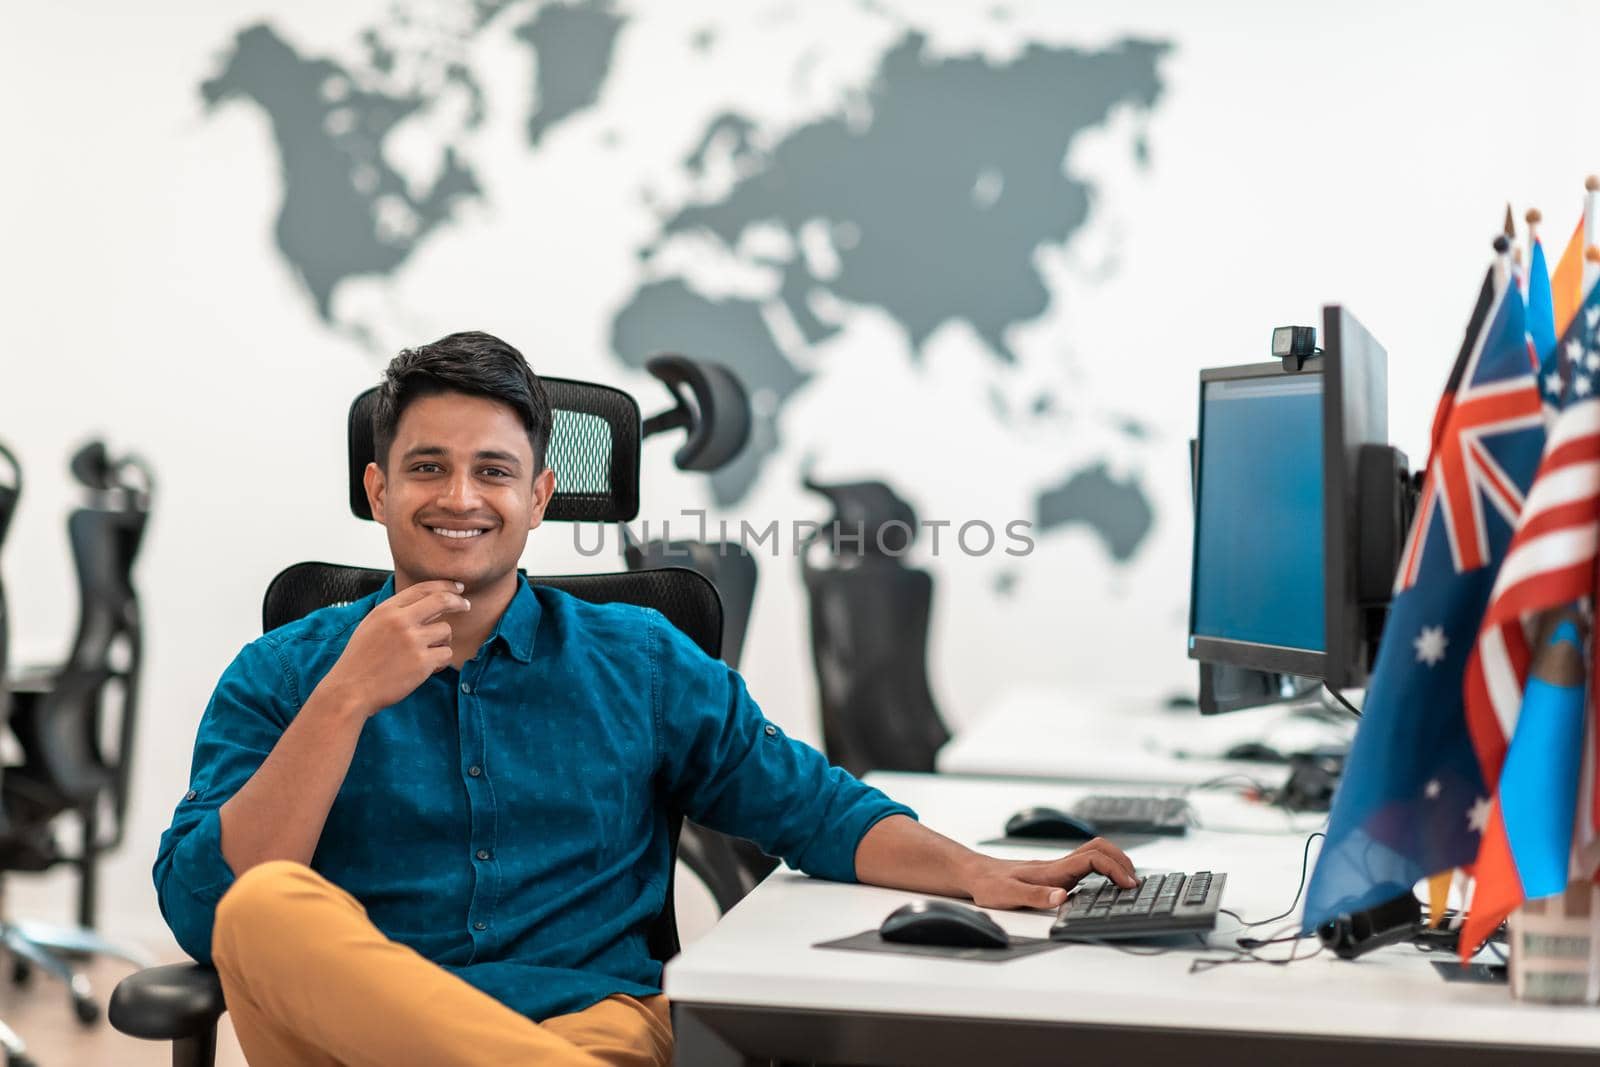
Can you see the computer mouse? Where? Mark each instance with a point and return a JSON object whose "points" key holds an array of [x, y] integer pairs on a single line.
{"points": [[1050, 823], [942, 922], [1255, 752]]}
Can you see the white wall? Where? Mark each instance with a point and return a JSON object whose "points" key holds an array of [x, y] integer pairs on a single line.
{"points": [[1356, 152]]}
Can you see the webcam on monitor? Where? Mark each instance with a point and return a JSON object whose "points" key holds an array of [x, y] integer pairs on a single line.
{"points": [[1296, 343]]}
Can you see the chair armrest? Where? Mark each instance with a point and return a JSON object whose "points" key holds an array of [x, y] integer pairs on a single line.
{"points": [[167, 1003]]}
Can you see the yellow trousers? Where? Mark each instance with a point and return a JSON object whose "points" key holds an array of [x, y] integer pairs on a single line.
{"points": [[311, 982]]}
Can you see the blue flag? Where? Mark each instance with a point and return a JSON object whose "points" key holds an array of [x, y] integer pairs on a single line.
{"points": [[1412, 802], [1539, 784], [1541, 308]]}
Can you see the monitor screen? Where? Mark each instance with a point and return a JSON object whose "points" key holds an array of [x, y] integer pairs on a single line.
{"points": [[1258, 552]]}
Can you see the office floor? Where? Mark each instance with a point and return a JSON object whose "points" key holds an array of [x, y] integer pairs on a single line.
{"points": [[41, 1014]]}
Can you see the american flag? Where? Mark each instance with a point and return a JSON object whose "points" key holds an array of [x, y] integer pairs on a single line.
{"points": [[1549, 568], [1551, 560]]}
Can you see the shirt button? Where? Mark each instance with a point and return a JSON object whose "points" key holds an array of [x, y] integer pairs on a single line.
{"points": [[474, 770], [772, 731], [480, 926], [483, 853], [466, 688], [190, 795]]}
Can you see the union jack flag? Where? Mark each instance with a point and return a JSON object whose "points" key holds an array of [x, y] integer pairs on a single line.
{"points": [[1481, 401]]}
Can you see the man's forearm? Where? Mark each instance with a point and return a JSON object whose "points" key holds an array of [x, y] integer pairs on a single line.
{"points": [[279, 813], [901, 853]]}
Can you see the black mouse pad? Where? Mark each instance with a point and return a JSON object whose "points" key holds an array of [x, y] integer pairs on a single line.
{"points": [[872, 941]]}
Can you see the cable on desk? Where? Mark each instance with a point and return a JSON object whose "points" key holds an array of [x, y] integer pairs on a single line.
{"points": [[1351, 708], [1211, 783], [1305, 866], [1277, 800], [1160, 950], [1246, 954]]}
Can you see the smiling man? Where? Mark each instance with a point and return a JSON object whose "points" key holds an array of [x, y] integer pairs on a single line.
{"points": [[430, 827]]}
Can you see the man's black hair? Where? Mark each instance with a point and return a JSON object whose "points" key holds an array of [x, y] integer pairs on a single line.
{"points": [[475, 363]]}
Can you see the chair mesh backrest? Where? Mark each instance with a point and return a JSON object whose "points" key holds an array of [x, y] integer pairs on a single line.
{"points": [[105, 545], [687, 599], [594, 451]]}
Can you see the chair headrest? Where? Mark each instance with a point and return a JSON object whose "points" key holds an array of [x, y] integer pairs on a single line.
{"points": [[885, 523], [594, 451], [712, 406], [118, 482]]}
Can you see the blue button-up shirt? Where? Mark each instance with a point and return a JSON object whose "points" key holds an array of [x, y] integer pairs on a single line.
{"points": [[509, 821]]}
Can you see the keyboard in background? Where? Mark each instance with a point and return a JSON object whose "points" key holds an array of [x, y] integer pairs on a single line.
{"points": [[1136, 814], [1160, 905]]}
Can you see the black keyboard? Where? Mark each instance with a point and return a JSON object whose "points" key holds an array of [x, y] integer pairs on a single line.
{"points": [[1160, 904], [1135, 815]]}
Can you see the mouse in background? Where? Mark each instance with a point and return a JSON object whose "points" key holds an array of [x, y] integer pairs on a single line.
{"points": [[942, 922], [1255, 752], [1049, 823]]}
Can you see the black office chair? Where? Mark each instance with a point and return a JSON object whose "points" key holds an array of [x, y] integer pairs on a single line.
{"points": [[61, 718], [10, 494], [869, 633], [713, 410], [594, 448], [16, 1050]]}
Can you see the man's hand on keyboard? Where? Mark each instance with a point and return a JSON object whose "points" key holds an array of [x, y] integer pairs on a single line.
{"points": [[997, 883]]}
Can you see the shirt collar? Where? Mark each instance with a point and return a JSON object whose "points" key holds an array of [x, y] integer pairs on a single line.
{"points": [[517, 624]]}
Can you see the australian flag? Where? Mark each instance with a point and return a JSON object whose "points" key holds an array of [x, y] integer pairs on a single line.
{"points": [[1413, 801]]}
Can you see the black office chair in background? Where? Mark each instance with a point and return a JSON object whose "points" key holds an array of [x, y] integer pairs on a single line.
{"points": [[76, 751], [16, 1050], [869, 632], [714, 411], [10, 494], [594, 449]]}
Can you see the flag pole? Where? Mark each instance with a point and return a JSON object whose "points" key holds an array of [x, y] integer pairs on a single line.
{"points": [[1591, 232], [1502, 262]]}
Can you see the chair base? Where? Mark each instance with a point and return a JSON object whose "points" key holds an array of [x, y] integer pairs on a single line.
{"points": [[43, 946]]}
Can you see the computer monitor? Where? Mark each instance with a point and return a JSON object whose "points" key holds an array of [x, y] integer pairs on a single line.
{"points": [[1283, 568]]}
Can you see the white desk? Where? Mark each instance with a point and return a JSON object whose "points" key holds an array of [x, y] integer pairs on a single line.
{"points": [[1085, 737], [755, 989]]}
